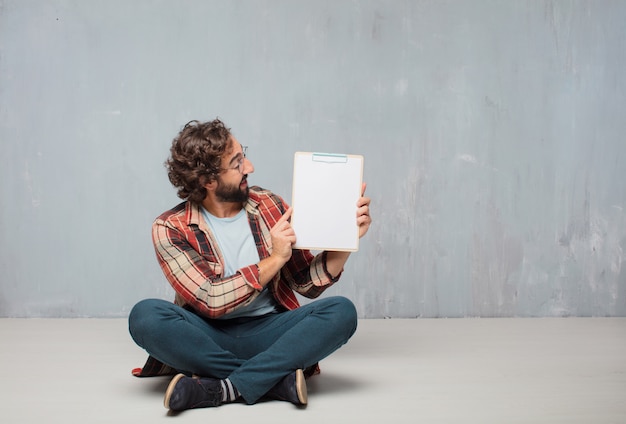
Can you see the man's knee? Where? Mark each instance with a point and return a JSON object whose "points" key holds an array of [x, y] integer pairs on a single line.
{"points": [[346, 307], [346, 313], [143, 315]]}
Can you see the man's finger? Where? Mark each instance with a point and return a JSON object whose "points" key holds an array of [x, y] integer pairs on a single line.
{"points": [[285, 216]]}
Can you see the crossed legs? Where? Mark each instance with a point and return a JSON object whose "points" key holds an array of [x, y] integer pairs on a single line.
{"points": [[253, 353]]}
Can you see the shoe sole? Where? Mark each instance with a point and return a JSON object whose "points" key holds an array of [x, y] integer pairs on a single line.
{"points": [[301, 387], [170, 390]]}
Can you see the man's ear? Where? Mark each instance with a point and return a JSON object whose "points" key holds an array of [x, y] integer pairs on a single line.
{"points": [[211, 185]]}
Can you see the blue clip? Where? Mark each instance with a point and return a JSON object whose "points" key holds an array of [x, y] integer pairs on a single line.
{"points": [[329, 157]]}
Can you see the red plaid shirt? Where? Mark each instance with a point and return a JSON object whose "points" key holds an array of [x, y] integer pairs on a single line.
{"points": [[193, 264]]}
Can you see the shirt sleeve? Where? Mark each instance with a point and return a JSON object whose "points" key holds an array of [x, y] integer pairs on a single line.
{"points": [[198, 279], [307, 274]]}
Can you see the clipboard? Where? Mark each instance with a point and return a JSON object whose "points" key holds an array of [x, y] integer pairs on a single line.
{"points": [[326, 188]]}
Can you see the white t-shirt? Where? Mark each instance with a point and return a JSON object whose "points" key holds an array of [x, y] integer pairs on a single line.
{"points": [[236, 242]]}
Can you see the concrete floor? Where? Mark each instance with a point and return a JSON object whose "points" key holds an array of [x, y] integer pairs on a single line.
{"points": [[539, 370]]}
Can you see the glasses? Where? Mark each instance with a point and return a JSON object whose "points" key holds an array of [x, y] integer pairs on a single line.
{"points": [[239, 164]]}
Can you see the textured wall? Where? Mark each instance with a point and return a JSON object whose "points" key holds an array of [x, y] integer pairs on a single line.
{"points": [[493, 136]]}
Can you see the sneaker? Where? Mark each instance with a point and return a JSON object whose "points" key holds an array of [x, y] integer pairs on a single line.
{"points": [[186, 393], [292, 388]]}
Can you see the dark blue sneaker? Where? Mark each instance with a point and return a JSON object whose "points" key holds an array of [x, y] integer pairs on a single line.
{"points": [[292, 388], [186, 393]]}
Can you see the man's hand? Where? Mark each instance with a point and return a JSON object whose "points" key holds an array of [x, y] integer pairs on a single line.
{"points": [[283, 237], [363, 219]]}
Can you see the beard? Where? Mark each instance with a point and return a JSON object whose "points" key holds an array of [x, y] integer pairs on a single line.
{"points": [[231, 193]]}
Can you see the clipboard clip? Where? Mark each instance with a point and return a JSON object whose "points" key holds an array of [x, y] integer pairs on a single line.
{"points": [[329, 157]]}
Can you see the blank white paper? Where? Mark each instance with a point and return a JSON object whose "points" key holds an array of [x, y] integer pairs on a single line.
{"points": [[326, 188]]}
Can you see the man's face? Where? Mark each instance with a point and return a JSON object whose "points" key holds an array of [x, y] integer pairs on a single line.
{"points": [[232, 183]]}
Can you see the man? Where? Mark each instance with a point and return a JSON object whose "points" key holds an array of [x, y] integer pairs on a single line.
{"points": [[236, 330]]}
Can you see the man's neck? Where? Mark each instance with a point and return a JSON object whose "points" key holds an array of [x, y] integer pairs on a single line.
{"points": [[222, 209]]}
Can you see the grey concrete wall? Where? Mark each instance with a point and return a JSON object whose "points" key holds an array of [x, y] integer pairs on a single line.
{"points": [[492, 131]]}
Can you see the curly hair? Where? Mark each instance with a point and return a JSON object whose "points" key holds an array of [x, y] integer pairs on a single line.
{"points": [[195, 157]]}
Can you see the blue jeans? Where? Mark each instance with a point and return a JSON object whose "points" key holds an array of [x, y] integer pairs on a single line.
{"points": [[254, 353]]}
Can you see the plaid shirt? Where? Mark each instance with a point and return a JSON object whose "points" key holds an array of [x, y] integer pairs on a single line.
{"points": [[190, 257]]}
